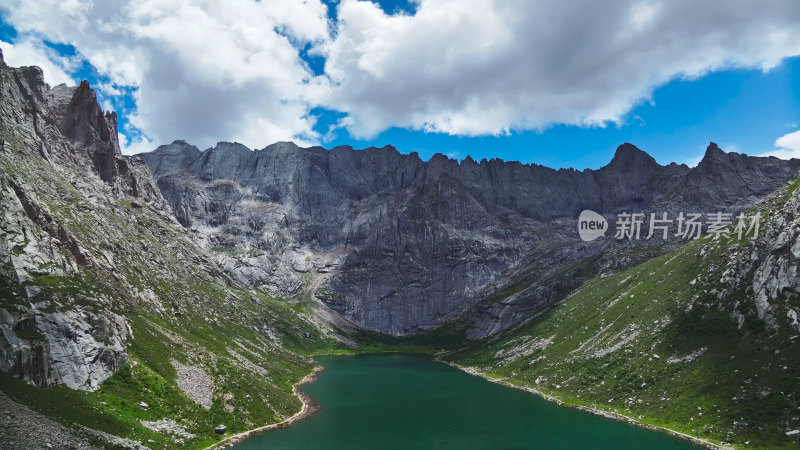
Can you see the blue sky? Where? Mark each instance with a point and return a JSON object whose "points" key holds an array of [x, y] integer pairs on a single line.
{"points": [[741, 110], [339, 91]]}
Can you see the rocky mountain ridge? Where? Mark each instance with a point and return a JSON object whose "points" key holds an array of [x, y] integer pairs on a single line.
{"points": [[402, 246]]}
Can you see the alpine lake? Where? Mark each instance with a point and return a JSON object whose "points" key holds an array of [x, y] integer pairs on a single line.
{"points": [[408, 401]]}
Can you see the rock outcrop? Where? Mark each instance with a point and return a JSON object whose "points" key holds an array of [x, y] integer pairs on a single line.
{"points": [[767, 268], [63, 127]]}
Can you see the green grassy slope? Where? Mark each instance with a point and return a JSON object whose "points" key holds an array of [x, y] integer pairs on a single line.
{"points": [[661, 343]]}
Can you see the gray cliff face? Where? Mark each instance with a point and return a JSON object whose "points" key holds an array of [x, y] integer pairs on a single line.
{"points": [[722, 182], [766, 269], [402, 246], [64, 190], [78, 347]]}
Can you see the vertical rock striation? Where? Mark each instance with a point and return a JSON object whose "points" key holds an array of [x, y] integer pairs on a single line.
{"points": [[402, 246], [62, 176]]}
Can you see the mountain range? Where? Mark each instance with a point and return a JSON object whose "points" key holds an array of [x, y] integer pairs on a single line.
{"points": [[401, 246]]}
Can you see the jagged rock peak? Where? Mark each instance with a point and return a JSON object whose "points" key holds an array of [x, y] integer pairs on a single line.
{"points": [[227, 146], [389, 148], [227, 153], [342, 148], [85, 123], [715, 156], [629, 156], [84, 118], [440, 157], [713, 151], [175, 147], [282, 145], [171, 158]]}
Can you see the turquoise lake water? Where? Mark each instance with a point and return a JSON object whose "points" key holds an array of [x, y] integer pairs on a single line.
{"points": [[405, 401]]}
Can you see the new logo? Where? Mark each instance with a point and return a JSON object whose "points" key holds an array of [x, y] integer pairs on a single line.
{"points": [[591, 225]]}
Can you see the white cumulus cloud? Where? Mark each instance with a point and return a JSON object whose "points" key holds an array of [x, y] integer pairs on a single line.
{"points": [[29, 52], [475, 67], [211, 70], [787, 146], [204, 70]]}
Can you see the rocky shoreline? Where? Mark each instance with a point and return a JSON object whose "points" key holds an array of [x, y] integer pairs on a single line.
{"points": [[596, 411], [310, 407]]}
